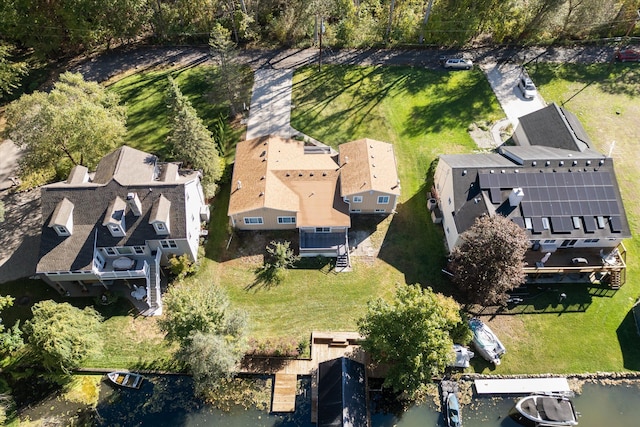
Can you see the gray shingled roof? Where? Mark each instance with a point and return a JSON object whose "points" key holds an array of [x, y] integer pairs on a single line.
{"points": [[91, 201], [555, 127]]}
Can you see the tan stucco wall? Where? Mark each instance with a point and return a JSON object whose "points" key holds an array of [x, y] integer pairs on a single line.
{"points": [[370, 202], [269, 218]]}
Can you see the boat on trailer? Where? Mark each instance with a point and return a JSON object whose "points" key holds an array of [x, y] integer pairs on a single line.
{"points": [[126, 379], [548, 410], [486, 342]]}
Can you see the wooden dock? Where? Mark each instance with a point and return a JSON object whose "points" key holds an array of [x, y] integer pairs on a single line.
{"points": [[285, 389], [522, 386]]}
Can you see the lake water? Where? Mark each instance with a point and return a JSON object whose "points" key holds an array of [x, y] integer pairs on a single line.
{"points": [[168, 401]]}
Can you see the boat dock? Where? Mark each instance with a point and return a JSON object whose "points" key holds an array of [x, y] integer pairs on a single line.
{"points": [[522, 386]]}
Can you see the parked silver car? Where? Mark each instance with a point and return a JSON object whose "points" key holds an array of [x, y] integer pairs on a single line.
{"points": [[458, 63], [527, 87]]}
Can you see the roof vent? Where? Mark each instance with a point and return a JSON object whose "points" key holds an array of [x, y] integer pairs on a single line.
{"points": [[262, 178], [561, 163], [588, 162], [534, 163], [324, 174], [601, 162], [491, 171], [502, 171], [261, 194], [547, 163], [287, 174], [311, 174], [575, 163], [464, 172], [299, 173], [239, 185]]}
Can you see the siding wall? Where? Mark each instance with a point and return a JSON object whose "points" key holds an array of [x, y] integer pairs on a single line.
{"points": [[370, 202], [269, 220]]}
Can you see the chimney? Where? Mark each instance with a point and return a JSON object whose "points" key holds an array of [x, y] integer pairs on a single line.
{"points": [[515, 197], [134, 203]]}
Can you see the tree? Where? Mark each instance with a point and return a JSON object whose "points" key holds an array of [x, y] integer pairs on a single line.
{"points": [[10, 339], [412, 333], [1, 211], [212, 359], [212, 335], [193, 308], [191, 141], [63, 335], [490, 260], [10, 72], [77, 123], [224, 52]]}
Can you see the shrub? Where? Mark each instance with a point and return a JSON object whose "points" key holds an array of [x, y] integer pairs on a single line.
{"points": [[274, 347]]}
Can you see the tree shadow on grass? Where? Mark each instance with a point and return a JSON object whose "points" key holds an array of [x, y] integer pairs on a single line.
{"points": [[629, 341]]}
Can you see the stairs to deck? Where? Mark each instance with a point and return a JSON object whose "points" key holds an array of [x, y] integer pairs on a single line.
{"points": [[153, 291], [614, 281]]}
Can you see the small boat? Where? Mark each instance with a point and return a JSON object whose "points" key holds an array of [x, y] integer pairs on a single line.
{"points": [[463, 356], [126, 379], [548, 410], [486, 342], [453, 411]]}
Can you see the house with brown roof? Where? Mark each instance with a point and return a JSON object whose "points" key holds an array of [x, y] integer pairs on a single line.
{"points": [[554, 186], [282, 183], [117, 226]]}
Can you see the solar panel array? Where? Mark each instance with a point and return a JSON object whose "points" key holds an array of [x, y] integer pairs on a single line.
{"points": [[559, 196]]}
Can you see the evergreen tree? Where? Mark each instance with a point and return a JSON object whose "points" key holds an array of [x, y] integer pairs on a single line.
{"points": [[190, 140]]}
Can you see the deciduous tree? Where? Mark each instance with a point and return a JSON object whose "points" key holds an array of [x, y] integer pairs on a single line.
{"points": [[77, 123], [490, 260], [191, 141], [412, 333], [63, 335]]}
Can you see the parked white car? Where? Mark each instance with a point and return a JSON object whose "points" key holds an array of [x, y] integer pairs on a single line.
{"points": [[527, 87], [458, 63]]}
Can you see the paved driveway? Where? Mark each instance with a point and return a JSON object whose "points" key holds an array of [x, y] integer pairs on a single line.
{"points": [[270, 111], [503, 79]]}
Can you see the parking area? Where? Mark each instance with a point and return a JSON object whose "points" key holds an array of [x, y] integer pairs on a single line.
{"points": [[503, 79]]}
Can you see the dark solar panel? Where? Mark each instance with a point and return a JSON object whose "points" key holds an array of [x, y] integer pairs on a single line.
{"points": [[526, 208], [484, 180], [537, 224], [496, 195], [589, 224], [615, 224], [561, 224], [519, 221]]}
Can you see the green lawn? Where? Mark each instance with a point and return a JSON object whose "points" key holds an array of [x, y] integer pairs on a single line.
{"points": [[423, 113]]}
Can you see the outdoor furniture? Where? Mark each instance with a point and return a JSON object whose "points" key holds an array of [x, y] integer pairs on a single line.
{"points": [[139, 292], [123, 263]]}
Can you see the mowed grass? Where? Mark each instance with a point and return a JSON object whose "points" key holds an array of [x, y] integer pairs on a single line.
{"points": [[593, 330], [144, 95], [423, 113]]}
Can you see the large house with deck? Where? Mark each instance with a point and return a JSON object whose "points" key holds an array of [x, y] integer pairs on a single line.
{"points": [[552, 184], [117, 226], [283, 183]]}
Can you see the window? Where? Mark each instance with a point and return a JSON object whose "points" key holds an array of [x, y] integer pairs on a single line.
{"points": [[159, 226], [355, 210], [139, 250], [591, 240], [549, 241], [250, 220], [381, 210], [168, 244], [383, 200], [323, 229], [286, 220], [110, 251], [125, 250], [357, 199]]}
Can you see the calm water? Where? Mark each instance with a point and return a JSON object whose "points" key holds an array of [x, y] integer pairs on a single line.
{"points": [[168, 401]]}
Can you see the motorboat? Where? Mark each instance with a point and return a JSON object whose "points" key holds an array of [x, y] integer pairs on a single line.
{"points": [[548, 410], [486, 342], [126, 379], [453, 411], [463, 356]]}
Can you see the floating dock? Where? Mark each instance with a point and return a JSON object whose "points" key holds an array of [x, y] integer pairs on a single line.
{"points": [[522, 386]]}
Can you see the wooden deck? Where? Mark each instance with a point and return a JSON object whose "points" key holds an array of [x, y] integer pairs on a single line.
{"points": [[285, 389]]}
